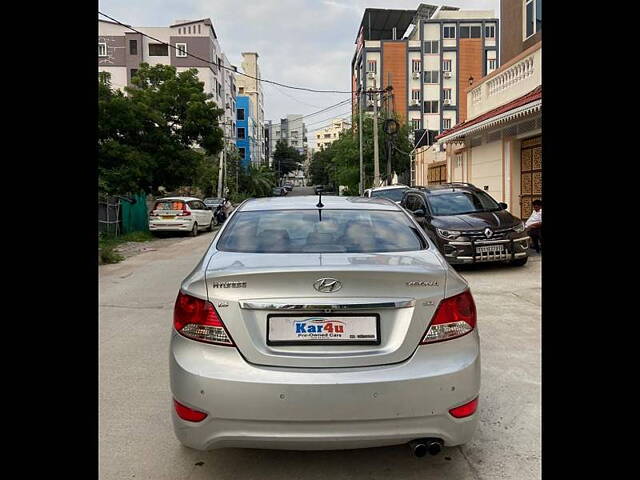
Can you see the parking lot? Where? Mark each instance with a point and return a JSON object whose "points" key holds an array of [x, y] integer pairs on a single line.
{"points": [[135, 431]]}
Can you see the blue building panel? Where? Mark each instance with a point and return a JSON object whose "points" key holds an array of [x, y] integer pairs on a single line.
{"points": [[243, 113]]}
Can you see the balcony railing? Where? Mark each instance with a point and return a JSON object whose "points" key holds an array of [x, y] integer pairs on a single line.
{"points": [[514, 79]]}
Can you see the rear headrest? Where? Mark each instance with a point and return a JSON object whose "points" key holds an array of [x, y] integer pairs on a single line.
{"points": [[317, 238]]}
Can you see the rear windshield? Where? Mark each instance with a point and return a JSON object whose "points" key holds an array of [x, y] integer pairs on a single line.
{"points": [[169, 205], [212, 200], [325, 231], [394, 194], [458, 203]]}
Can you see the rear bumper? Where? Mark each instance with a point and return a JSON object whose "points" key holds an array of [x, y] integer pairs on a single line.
{"points": [[182, 226], [465, 252], [309, 409]]}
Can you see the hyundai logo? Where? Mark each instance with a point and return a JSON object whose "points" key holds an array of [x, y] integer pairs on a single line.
{"points": [[327, 285], [488, 232]]}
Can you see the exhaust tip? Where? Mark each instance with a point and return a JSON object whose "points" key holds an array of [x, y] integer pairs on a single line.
{"points": [[420, 447]]}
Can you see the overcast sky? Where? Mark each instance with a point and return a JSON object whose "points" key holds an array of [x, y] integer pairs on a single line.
{"points": [[308, 43]]}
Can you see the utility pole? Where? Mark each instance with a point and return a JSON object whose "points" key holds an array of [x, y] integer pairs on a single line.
{"points": [[360, 98], [376, 160], [220, 173]]}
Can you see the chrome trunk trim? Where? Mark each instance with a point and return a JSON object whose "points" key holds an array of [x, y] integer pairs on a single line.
{"points": [[326, 306]]}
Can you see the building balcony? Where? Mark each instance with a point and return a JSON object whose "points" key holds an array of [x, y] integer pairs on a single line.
{"points": [[520, 75]]}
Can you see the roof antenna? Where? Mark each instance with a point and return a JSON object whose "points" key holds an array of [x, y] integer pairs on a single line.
{"points": [[319, 204]]}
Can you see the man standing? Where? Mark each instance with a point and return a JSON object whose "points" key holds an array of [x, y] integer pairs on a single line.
{"points": [[534, 225]]}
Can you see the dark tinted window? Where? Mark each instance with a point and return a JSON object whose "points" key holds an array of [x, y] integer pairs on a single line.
{"points": [[476, 32], [460, 202], [240, 114], [133, 47], [240, 133], [464, 32], [158, 50], [394, 194], [306, 231]]}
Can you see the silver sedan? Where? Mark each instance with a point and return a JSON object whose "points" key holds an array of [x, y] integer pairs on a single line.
{"points": [[324, 324]]}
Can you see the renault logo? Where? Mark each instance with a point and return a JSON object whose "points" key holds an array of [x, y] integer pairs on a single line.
{"points": [[327, 285], [488, 232]]}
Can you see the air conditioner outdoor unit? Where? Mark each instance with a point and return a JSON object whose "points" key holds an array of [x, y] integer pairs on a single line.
{"points": [[371, 75], [415, 102], [447, 101], [416, 75], [446, 74]]}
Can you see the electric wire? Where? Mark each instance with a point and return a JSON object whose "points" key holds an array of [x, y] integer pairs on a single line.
{"points": [[222, 66]]}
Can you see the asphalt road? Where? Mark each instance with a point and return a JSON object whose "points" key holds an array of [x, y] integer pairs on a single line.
{"points": [[135, 434]]}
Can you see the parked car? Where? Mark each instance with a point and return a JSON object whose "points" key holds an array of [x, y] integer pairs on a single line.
{"points": [[213, 202], [180, 214], [467, 225], [278, 191], [324, 328], [288, 186], [392, 192]]}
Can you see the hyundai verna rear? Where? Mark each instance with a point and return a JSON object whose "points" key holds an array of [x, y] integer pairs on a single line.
{"points": [[324, 324]]}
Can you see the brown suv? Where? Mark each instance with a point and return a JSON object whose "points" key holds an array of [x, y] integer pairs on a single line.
{"points": [[467, 225]]}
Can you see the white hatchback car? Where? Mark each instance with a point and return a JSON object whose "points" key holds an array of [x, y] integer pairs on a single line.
{"points": [[180, 214]]}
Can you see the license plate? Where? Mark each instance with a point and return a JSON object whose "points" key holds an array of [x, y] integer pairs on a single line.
{"points": [[323, 329], [168, 217], [490, 249]]}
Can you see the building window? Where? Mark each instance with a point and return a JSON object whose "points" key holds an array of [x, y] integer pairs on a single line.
{"points": [[415, 124], [240, 90], [446, 65], [133, 47], [241, 133], [181, 50], [446, 92], [198, 29], [158, 50], [240, 114], [476, 32], [102, 49], [458, 160], [416, 65], [490, 31], [533, 17], [134, 72], [372, 66], [241, 149], [449, 31], [189, 29], [431, 76], [492, 63], [470, 32], [446, 123], [431, 106], [415, 94], [432, 47]]}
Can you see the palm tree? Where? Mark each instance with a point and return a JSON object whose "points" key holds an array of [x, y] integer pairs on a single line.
{"points": [[259, 180]]}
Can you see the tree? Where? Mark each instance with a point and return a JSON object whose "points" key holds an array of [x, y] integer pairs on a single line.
{"points": [[286, 158], [257, 181], [147, 137]]}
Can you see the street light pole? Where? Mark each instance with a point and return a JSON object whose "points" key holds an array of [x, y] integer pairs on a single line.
{"points": [[360, 98], [376, 159]]}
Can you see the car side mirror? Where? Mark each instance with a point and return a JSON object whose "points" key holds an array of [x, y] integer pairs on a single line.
{"points": [[503, 205], [419, 212]]}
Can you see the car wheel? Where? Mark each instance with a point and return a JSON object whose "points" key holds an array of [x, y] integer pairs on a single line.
{"points": [[210, 228], [194, 230], [520, 262]]}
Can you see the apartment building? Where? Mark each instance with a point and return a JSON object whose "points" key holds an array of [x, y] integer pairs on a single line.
{"points": [[122, 50], [246, 130], [252, 88], [429, 56], [499, 146], [292, 131], [330, 134]]}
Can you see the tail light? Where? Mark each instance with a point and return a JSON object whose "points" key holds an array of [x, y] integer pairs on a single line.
{"points": [[465, 410], [198, 320], [187, 413], [185, 211], [454, 317]]}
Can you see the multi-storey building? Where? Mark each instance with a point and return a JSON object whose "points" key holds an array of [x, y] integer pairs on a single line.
{"points": [[499, 146], [330, 134], [292, 131], [122, 50], [246, 131], [429, 56], [252, 88]]}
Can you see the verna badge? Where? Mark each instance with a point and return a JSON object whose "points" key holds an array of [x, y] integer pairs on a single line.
{"points": [[327, 285]]}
